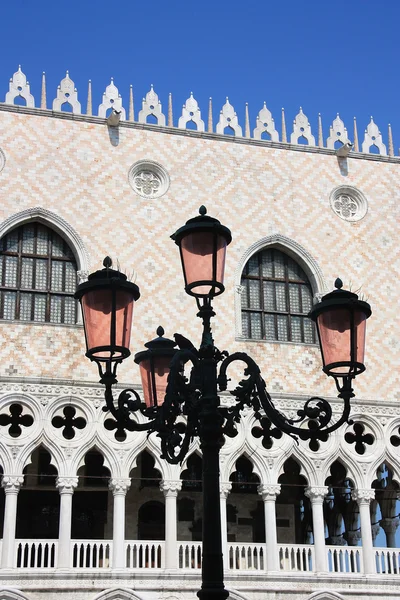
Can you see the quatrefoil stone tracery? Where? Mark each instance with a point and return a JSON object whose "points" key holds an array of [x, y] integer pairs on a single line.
{"points": [[147, 183], [345, 207]]}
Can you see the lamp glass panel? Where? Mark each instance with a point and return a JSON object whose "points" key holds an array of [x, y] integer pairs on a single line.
{"points": [[161, 372], [96, 308], [335, 337], [197, 256]]}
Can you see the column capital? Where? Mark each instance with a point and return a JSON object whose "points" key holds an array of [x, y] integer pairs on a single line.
{"points": [[12, 483], [66, 485], [390, 524], [316, 493], [363, 496], [224, 489], [375, 528], [269, 491], [170, 487], [119, 486]]}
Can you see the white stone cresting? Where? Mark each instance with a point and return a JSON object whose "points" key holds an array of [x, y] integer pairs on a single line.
{"points": [[111, 99], [191, 112], [151, 105], [348, 203], [148, 179], [302, 128], [67, 93], [265, 123], [228, 118], [19, 87], [337, 133], [373, 137]]}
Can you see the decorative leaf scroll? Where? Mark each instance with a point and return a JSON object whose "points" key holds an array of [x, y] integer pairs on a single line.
{"points": [[69, 422], [360, 438], [266, 433], [15, 419]]}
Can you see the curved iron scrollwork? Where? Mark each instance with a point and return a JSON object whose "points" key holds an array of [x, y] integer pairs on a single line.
{"points": [[179, 418], [314, 422]]}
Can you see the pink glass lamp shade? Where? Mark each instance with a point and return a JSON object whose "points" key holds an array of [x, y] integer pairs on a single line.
{"points": [[107, 300], [202, 243], [341, 318], [154, 366]]}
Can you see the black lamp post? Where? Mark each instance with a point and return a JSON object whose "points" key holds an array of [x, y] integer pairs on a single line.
{"points": [[107, 300]]}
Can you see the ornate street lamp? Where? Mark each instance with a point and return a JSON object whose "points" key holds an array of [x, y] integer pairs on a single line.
{"points": [[178, 409]]}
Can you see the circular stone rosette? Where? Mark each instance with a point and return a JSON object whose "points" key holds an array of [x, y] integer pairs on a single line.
{"points": [[148, 179], [348, 203]]}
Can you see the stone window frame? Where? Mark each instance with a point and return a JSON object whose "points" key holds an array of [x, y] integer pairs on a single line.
{"points": [[67, 232], [299, 254]]}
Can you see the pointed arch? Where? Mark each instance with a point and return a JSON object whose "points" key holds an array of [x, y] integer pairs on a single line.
{"points": [[118, 594], [325, 595], [58, 224], [295, 251], [12, 594]]}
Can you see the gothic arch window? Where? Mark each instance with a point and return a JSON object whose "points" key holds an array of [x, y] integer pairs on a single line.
{"points": [[38, 276], [276, 298]]}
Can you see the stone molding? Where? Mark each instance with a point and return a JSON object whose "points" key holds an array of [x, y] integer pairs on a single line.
{"points": [[2, 160], [56, 222]]}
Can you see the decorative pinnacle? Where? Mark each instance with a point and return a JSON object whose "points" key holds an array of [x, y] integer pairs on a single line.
{"points": [[202, 210], [107, 262], [160, 331], [338, 283]]}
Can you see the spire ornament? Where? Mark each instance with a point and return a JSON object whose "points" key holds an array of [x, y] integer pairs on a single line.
{"points": [[43, 101], [170, 115], [89, 99], [390, 141], [19, 87], [247, 122], [356, 145], [265, 123], [320, 135], [210, 127], [284, 135], [131, 116]]}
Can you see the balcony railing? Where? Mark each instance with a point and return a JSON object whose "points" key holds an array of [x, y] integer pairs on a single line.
{"points": [[146, 554]]}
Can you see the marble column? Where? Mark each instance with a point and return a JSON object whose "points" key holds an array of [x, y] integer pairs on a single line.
{"points": [[390, 527], [170, 490], [224, 490], [363, 498], [119, 488], [269, 492], [65, 486], [316, 496], [11, 485]]}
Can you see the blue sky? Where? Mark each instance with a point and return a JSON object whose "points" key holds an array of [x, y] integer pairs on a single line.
{"points": [[322, 55]]}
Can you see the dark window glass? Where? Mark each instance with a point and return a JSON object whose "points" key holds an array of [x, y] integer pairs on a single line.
{"points": [[276, 299], [37, 276]]}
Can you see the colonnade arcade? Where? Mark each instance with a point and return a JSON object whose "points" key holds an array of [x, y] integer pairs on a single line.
{"points": [[97, 504]]}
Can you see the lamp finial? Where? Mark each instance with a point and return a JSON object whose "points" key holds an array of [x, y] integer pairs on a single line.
{"points": [[160, 331], [338, 283], [107, 262], [202, 210]]}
